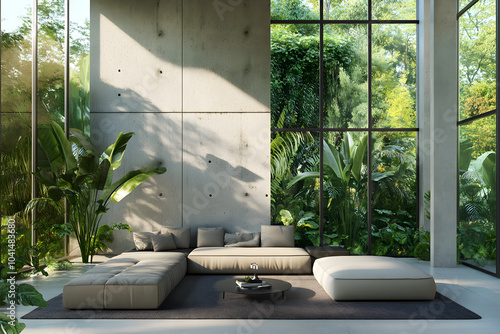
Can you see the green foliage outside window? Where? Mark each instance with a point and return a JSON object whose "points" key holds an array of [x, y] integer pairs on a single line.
{"points": [[295, 104], [476, 229]]}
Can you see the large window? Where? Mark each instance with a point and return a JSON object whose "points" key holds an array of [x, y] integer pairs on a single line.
{"points": [[61, 86], [477, 226], [343, 114]]}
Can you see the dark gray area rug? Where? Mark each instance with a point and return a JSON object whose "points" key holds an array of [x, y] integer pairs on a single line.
{"points": [[196, 298]]}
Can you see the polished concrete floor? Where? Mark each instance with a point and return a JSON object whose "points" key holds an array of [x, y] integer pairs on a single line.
{"points": [[475, 290]]}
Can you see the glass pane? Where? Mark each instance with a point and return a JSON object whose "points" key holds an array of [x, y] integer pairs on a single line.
{"points": [[477, 188], [295, 76], [295, 184], [345, 9], [51, 58], [15, 183], [51, 61], [463, 3], [394, 76], [294, 9], [394, 9], [80, 65], [345, 76], [477, 58], [394, 193], [344, 169]]}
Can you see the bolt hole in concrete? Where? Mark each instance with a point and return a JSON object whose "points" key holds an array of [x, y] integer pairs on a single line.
{"points": [[209, 161], [210, 195], [160, 194], [119, 94], [119, 70]]}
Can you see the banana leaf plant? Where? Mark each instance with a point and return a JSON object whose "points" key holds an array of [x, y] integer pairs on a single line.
{"points": [[342, 171], [73, 170]]}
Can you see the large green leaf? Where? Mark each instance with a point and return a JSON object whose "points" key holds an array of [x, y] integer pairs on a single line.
{"points": [[466, 149], [82, 140], [46, 176], [359, 156], [377, 176], [49, 153], [332, 159], [6, 328], [485, 165], [346, 147], [303, 176], [28, 295], [115, 152], [101, 176], [121, 188], [88, 164], [64, 147]]}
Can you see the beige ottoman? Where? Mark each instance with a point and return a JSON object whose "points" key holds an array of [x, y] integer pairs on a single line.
{"points": [[372, 278]]}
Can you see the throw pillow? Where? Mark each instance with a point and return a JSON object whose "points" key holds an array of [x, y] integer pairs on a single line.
{"points": [[142, 240], [163, 242], [210, 237], [242, 239], [277, 236], [181, 235]]}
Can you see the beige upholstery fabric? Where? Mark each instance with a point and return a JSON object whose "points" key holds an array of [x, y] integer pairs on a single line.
{"points": [[182, 235], [276, 236], [237, 260], [142, 240], [242, 239], [372, 278], [210, 237], [163, 242], [134, 280]]}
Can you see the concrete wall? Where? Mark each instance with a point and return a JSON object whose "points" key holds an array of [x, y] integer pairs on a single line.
{"points": [[192, 79]]}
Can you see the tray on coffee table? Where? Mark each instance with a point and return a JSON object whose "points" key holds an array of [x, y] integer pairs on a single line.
{"points": [[229, 285]]}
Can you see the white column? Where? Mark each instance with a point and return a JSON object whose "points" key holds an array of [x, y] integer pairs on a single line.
{"points": [[443, 132]]}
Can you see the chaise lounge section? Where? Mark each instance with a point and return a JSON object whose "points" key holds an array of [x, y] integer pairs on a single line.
{"points": [[132, 280]]}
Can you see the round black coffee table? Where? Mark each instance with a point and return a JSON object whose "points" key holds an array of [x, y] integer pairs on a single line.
{"points": [[229, 285]]}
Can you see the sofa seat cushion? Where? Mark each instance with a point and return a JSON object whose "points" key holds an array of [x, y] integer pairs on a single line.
{"points": [[372, 278], [135, 280], [237, 260]]}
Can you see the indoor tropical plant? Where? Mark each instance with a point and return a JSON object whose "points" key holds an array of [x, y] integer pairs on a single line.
{"points": [[72, 170]]}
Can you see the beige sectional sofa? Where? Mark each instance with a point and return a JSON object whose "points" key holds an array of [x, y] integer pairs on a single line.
{"points": [[143, 279]]}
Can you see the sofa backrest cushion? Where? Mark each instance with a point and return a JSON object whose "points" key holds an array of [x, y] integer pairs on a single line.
{"points": [[181, 235], [142, 240], [163, 242], [277, 236], [239, 239], [210, 237]]}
